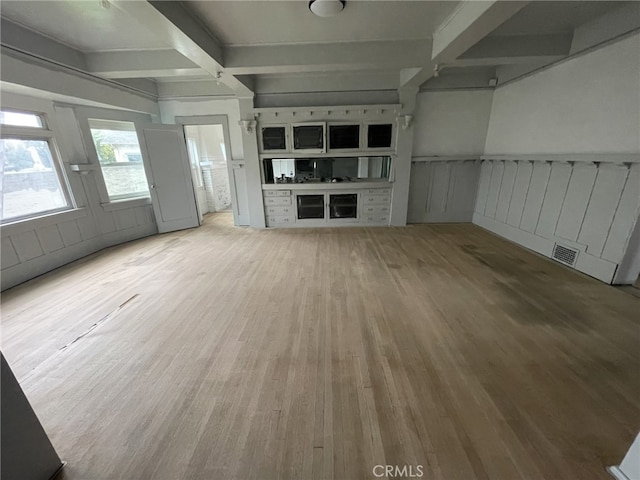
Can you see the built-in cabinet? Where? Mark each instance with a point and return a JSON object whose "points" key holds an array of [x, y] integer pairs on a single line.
{"points": [[333, 207], [325, 137], [327, 166]]}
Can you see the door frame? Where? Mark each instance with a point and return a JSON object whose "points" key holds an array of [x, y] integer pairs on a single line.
{"points": [[222, 120]]}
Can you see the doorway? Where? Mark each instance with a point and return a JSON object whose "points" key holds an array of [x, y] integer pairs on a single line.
{"points": [[209, 168], [224, 184]]}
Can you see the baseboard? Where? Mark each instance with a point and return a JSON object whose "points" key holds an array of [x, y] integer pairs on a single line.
{"points": [[596, 267], [616, 473]]}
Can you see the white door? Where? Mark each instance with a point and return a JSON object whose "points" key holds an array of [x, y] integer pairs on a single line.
{"points": [[164, 153]]}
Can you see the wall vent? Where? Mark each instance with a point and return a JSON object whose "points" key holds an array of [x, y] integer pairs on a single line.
{"points": [[565, 255]]}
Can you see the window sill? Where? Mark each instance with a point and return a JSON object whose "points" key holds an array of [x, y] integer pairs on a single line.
{"points": [[126, 203], [28, 224]]}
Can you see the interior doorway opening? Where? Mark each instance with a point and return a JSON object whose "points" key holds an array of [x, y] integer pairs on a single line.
{"points": [[209, 168]]}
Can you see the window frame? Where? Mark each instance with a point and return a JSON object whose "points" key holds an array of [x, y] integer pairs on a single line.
{"points": [[83, 114], [45, 134]]}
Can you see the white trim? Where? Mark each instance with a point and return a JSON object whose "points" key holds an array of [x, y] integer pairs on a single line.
{"points": [[567, 157], [445, 158], [125, 203], [45, 220], [327, 109], [616, 473]]}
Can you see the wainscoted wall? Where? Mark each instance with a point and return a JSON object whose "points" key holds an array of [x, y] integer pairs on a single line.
{"points": [[588, 205], [442, 191], [33, 247], [37, 246]]}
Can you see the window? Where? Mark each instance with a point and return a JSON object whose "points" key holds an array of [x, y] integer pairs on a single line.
{"points": [[120, 158], [30, 178]]}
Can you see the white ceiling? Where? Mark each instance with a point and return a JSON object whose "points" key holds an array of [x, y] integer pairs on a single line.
{"points": [[82, 24], [242, 22], [279, 46]]}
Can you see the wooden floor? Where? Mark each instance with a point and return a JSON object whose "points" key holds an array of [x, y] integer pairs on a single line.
{"points": [[230, 353]]}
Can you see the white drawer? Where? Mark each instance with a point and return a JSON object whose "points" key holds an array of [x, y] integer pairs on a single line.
{"points": [[375, 199], [277, 220], [377, 219], [270, 193], [272, 201], [283, 193], [279, 210], [375, 209], [379, 191]]}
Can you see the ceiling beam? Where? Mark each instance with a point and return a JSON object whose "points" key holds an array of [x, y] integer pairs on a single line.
{"points": [[520, 46], [469, 23], [175, 25], [27, 41], [327, 82], [141, 63], [276, 59], [32, 73]]}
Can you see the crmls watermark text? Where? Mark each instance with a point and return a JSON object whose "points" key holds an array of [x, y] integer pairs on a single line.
{"points": [[398, 471]]}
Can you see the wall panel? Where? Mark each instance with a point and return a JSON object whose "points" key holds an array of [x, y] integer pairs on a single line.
{"points": [[576, 201], [520, 191], [50, 238], [442, 191], [27, 245], [535, 196], [483, 187], [506, 191], [584, 206], [625, 217], [553, 199], [494, 189], [604, 201]]}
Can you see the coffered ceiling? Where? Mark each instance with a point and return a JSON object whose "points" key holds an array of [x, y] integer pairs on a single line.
{"points": [[255, 49]]}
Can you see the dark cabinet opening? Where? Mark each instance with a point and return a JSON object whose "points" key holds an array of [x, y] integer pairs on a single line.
{"points": [[310, 206], [344, 136], [274, 138], [308, 137], [343, 205], [379, 135]]}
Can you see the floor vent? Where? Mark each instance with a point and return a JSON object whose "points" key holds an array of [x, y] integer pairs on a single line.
{"points": [[565, 255]]}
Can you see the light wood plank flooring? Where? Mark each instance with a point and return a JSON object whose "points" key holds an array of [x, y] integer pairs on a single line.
{"points": [[231, 353]]}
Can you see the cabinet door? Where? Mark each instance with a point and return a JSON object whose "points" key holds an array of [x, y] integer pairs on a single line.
{"points": [[379, 136], [273, 138], [310, 207], [343, 205]]}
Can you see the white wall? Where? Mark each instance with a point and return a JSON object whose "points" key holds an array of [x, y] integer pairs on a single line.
{"points": [[588, 104], [562, 153], [451, 123], [451, 126], [170, 109], [33, 247]]}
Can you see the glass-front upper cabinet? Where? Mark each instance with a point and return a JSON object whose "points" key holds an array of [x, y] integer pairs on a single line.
{"points": [[379, 136], [273, 138], [344, 137], [309, 137]]}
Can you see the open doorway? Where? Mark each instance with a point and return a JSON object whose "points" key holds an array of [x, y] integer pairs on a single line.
{"points": [[209, 168]]}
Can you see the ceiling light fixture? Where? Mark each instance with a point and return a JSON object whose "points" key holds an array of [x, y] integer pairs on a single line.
{"points": [[326, 8], [218, 76], [436, 70]]}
